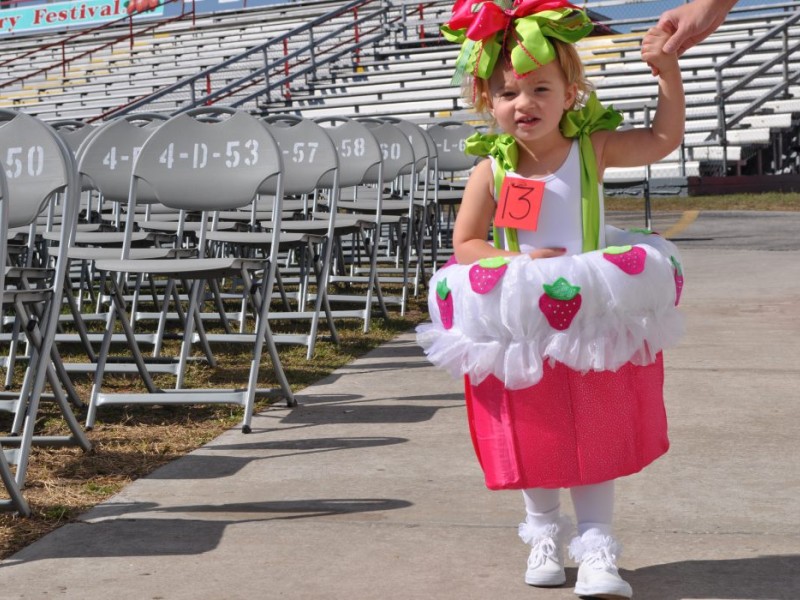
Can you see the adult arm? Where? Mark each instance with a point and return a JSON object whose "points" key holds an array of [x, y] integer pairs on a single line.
{"points": [[689, 24]]}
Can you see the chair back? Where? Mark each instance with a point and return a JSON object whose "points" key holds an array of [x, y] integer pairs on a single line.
{"points": [[358, 151], [73, 132], [106, 157], [38, 164], [417, 138], [396, 151], [208, 159], [450, 139], [309, 156]]}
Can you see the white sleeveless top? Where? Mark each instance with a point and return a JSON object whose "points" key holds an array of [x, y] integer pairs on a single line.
{"points": [[560, 221]]}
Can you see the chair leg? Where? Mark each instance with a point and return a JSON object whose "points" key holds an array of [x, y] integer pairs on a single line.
{"points": [[77, 319], [17, 500], [264, 337], [117, 308]]}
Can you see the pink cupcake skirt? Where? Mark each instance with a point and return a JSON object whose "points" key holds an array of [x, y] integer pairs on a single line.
{"points": [[561, 393], [570, 428]]}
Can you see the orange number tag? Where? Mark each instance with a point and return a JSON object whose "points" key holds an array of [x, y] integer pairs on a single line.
{"points": [[519, 204]]}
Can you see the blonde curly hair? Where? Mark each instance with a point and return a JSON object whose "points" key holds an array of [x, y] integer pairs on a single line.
{"points": [[475, 90]]}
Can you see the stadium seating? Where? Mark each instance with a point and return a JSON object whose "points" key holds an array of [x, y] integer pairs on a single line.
{"points": [[407, 75]]}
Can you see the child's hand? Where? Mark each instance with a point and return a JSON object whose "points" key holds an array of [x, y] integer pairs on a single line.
{"points": [[653, 52], [547, 252]]}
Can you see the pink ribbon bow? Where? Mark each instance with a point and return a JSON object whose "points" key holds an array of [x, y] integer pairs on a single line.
{"points": [[483, 18]]}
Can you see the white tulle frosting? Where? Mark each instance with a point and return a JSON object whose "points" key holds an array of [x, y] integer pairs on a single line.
{"points": [[622, 317]]}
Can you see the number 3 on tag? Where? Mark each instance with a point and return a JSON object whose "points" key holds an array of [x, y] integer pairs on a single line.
{"points": [[519, 204]]}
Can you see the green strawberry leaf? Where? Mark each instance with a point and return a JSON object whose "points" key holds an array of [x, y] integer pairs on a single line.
{"points": [[641, 230], [561, 289], [617, 249], [442, 290], [676, 264], [493, 262]]}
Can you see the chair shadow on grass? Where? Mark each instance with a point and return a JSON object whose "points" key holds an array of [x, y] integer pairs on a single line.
{"points": [[773, 577]]}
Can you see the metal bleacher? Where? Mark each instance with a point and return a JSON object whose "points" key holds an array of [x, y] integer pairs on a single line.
{"points": [[404, 69]]}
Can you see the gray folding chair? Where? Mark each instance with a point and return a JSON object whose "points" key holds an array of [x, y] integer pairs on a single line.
{"points": [[309, 156], [16, 498], [450, 161], [105, 161], [311, 168], [74, 132], [398, 160], [413, 178], [204, 160], [360, 164], [39, 168]]}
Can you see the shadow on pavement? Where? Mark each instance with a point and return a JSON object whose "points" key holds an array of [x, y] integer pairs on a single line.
{"points": [[135, 535], [774, 577]]}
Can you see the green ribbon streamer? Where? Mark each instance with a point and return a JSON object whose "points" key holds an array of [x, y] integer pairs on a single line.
{"points": [[579, 124]]}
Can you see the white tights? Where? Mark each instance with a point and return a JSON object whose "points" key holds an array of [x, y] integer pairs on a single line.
{"points": [[594, 506]]}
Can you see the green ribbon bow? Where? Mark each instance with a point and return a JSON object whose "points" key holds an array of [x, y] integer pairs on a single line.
{"points": [[574, 124], [524, 35]]}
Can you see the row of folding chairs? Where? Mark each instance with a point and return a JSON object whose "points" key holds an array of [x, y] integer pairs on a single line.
{"points": [[202, 224]]}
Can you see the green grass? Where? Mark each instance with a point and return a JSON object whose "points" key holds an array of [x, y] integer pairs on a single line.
{"points": [[771, 201]]}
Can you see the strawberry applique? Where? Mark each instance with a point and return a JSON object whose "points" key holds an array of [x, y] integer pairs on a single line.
{"points": [[450, 262], [560, 303], [630, 259], [444, 300], [677, 273], [486, 273]]}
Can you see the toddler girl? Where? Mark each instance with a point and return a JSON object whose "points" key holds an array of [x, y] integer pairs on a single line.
{"points": [[561, 357]]}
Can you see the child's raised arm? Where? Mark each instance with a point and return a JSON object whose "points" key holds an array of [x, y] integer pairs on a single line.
{"points": [[642, 146]]}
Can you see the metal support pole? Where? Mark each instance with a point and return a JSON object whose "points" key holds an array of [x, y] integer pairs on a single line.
{"points": [[311, 49], [266, 75], [648, 218], [785, 37], [721, 124]]}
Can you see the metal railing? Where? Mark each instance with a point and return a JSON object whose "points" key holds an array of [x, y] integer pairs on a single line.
{"points": [[267, 71], [724, 123]]}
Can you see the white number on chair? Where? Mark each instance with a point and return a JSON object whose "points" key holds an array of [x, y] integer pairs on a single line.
{"points": [[200, 154], [33, 166], [391, 151], [252, 146], [168, 156], [110, 159], [233, 154], [299, 151], [356, 147]]}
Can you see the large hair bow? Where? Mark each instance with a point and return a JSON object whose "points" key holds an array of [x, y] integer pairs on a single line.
{"points": [[484, 27]]}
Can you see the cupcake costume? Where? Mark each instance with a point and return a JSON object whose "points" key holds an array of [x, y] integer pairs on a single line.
{"points": [[561, 357]]}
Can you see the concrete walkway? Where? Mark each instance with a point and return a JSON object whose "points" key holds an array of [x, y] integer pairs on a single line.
{"points": [[369, 490]]}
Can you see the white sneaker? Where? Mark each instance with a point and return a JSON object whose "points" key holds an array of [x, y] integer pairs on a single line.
{"points": [[545, 563], [598, 576]]}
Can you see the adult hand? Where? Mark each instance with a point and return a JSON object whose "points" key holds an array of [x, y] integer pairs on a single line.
{"points": [[691, 23]]}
